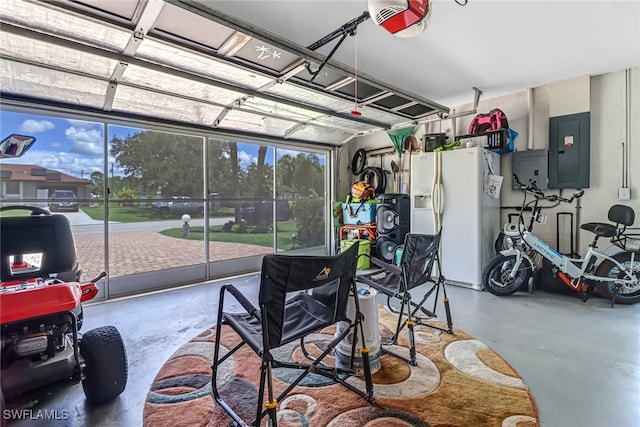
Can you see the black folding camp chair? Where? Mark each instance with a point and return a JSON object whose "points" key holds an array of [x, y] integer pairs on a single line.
{"points": [[299, 295], [419, 257]]}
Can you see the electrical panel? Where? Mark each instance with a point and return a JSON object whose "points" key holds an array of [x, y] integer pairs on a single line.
{"points": [[530, 165], [569, 151]]}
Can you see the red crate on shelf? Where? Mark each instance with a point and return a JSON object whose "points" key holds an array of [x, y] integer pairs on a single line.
{"points": [[367, 232]]}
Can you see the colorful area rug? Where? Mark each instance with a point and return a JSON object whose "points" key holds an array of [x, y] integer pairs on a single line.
{"points": [[458, 382]]}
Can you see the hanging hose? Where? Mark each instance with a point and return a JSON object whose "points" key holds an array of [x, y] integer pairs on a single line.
{"points": [[358, 161], [376, 177]]}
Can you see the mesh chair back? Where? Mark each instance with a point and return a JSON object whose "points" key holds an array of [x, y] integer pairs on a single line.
{"points": [[47, 235], [419, 253], [327, 278]]}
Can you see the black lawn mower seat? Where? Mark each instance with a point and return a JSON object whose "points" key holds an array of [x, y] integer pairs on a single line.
{"points": [[48, 235]]}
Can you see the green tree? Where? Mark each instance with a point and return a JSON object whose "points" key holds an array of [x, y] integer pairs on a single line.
{"points": [[220, 168], [116, 183], [167, 163], [309, 214], [97, 183], [235, 178], [286, 170], [125, 194], [308, 175], [262, 182], [262, 154], [303, 173]]}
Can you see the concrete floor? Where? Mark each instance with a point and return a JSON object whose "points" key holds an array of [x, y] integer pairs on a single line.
{"points": [[581, 361]]}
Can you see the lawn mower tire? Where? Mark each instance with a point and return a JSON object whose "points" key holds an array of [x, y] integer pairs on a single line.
{"points": [[105, 357], [3, 421]]}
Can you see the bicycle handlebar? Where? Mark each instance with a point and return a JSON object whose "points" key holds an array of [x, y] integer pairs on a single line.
{"points": [[533, 189]]}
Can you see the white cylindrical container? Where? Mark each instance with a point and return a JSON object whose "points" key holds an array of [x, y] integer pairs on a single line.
{"points": [[369, 308]]}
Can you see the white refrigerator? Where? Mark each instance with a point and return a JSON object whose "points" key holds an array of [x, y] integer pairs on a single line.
{"points": [[448, 191]]}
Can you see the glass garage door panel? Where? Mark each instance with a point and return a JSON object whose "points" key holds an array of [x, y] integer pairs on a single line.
{"points": [[60, 174], [140, 197], [301, 178], [156, 208], [240, 183]]}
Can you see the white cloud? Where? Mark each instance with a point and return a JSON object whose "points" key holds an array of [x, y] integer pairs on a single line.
{"points": [[84, 167], [85, 141], [36, 126], [245, 159]]}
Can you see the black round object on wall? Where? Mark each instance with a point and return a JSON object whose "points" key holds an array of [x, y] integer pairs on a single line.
{"points": [[376, 177], [358, 161]]}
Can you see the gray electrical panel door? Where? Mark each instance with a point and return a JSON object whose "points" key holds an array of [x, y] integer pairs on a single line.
{"points": [[569, 142], [530, 165]]}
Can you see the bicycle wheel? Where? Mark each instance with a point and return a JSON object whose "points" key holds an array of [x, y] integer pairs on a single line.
{"points": [[626, 294], [496, 275]]}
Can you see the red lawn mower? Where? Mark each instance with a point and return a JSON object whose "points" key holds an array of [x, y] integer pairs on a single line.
{"points": [[41, 300]]}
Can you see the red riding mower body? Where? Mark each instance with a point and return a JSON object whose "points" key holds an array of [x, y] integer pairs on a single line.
{"points": [[41, 315]]}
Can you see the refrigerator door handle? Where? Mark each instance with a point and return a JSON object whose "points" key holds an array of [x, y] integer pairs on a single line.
{"points": [[436, 191]]}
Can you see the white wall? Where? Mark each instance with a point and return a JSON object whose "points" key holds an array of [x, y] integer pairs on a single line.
{"points": [[607, 137], [604, 95]]}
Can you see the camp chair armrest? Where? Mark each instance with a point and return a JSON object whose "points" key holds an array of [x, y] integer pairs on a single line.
{"points": [[390, 267], [244, 302]]}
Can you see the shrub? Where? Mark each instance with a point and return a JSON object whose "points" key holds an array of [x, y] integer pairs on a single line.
{"points": [[228, 226], [309, 216], [245, 228], [126, 194]]}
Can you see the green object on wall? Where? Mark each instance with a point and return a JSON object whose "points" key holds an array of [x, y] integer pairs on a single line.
{"points": [[397, 137]]}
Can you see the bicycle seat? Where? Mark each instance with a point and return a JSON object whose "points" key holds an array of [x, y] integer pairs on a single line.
{"points": [[620, 214], [600, 228]]}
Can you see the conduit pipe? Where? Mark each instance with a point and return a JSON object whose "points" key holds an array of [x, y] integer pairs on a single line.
{"points": [[623, 144], [530, 117], [626, 152], [626, 123], [476, 98]]}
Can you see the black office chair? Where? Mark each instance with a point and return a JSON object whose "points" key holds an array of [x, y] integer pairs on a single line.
{"points": [[419, 257], [299, 295]]}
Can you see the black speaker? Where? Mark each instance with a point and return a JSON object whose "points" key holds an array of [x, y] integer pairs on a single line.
{"points": [[393, 219]]}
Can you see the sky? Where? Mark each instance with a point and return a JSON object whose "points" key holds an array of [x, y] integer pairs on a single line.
{"points": [[75, 147]]}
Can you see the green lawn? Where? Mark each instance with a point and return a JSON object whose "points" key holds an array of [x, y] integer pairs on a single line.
{"points": [[15, 212], [285, 230], [139, 213]]}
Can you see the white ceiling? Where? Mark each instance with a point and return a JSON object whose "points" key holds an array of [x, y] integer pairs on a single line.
{"points": [[202, 62], [499, 47]]}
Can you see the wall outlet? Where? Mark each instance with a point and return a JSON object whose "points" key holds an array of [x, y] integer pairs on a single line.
{"points": [[624, 193]]}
